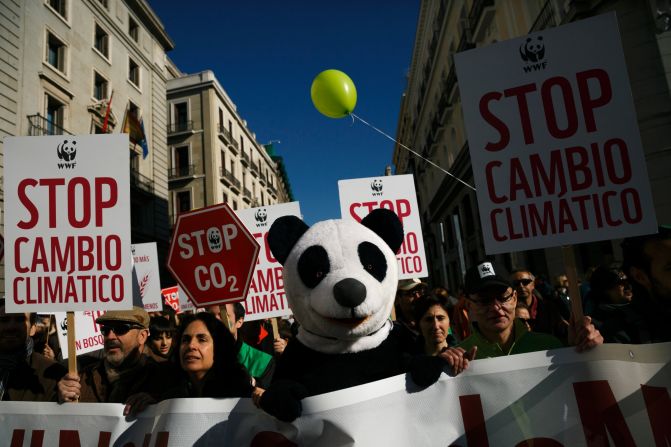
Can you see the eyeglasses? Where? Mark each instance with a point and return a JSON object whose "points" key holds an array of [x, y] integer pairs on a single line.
{"points": [[118, 329], [485, 301], [523, 282]]}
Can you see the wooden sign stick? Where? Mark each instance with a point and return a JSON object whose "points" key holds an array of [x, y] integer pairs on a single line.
{"points": [[572, 275]]}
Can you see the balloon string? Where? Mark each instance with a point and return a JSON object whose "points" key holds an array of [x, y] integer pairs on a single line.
{"points": [[410, 150]]}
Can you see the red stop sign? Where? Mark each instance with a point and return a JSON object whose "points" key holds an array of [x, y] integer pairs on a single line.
{"points": [[212, 256]]}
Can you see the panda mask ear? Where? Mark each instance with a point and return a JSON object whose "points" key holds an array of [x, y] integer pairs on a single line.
{"points": [[283, 235], [387, 225]]}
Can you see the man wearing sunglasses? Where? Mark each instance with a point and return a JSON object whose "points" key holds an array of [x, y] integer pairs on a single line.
{"points": [[496, 332], [124, 371], [544, 316]]}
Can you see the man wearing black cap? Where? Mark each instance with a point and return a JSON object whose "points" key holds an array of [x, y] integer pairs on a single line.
{"points": [[647, 263], [496, 332], [125, 372]]}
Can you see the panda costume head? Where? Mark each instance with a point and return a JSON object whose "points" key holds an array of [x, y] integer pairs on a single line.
{"points": [[340, 278]]}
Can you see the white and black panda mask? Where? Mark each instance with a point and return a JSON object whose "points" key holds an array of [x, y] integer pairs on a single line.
{"points": [[340, 278]]}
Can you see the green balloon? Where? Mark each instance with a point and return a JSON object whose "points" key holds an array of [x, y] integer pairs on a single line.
{"points": [[333, 93]]}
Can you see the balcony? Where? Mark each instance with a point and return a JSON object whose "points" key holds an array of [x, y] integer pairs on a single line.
{"points": [[40, 126], [181, 172], [225, 134], [476, 12], [228, 178], [254, 167], [464, 43], [246, 195], [180, 128], [262, 178], [235, 146], [245, 158], [546, 18], [140, 182]]}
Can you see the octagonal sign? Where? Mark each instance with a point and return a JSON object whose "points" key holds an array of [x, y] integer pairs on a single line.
{"points": [[212, 256]]}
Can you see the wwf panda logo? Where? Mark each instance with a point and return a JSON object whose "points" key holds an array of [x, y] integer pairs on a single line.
{"points": [[340, 276], [67, 150], [533, 49], [261, 215], [376, 185], [64, 325], [214, 240]]}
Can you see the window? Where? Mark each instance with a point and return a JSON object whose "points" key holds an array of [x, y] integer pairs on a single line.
{"points": [[55, 114], [133, 72], [235, 205], [59, 6], [223, 159], [99, 87], [55, 52], [101, 41], [180, 115], [105, 3], [221, 119], [182, 162], [225, 198], [133, 29], [183, 199], [134, 163]]}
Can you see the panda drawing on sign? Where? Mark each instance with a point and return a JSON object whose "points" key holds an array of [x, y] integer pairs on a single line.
{"points": [[533, 49], [340, 279], [67, 151]]}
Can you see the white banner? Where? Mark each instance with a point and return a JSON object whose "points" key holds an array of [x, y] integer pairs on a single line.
{"points": [[265, 298], [615, 393], [554, 141], [147, 289], [67, 223], [358, 197]]}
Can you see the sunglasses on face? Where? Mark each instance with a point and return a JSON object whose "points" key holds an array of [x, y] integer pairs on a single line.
{"points": [[524, 282], [118, 329], [485, 301]]}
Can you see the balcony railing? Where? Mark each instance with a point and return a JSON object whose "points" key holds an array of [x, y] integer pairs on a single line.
{"points": [[262, 178], [39, 126], [141, 182], [225, 134], [229, 178], [183, 126], [546, 18], [464, 43], [245, 158], [254, 166], [235, 145], [476, 12], [181, 171], [246, 194]]}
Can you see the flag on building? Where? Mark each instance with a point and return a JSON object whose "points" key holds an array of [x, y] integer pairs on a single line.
{"points": [[107, 112], [134, 127]]}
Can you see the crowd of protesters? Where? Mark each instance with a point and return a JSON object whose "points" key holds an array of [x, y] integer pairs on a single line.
{"points": [[146, 359]]}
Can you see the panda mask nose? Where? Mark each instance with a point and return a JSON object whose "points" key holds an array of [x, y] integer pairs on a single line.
{"points": [[349, 292]]}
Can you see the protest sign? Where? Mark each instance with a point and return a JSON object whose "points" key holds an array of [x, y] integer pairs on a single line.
{"points": [[554, 142], [176, 298], [358, 197], [551, 398], [87, 337], [266, 298], [67, 223], [145, 270]]}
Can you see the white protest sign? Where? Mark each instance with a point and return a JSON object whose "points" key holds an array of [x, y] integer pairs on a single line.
{"points": [[176, 298], [145, 267], [87, 336], [67, 223], [359, 197], [266, 298], [555, 148]]}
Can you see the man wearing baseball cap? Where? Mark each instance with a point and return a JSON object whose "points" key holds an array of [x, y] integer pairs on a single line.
{"points": [[492, 300], [125, 374]]}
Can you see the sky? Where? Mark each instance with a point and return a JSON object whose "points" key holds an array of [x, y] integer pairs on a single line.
{"points": [[265, 54]]}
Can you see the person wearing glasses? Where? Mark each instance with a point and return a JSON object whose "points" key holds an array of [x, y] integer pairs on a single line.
{"points": [[408, 290], [496, 332], [544, 315], [125, 374]]}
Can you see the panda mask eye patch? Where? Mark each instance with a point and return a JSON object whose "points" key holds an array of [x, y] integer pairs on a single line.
{"points": [[313, 266], [372, 260]]}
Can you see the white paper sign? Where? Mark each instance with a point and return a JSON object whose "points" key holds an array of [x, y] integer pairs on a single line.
{"points": [[87, 333], [67, 223], [359, 197], [552, 131], [176, 298], [266, 298], [145, 270]]}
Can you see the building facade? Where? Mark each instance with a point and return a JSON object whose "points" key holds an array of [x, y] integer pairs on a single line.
{"points": [[431, 120], [60, 62], [214, 156]]}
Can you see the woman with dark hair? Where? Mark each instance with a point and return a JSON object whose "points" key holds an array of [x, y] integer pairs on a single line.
{"points": [[161, 333], [432, 318], [207, 359]]}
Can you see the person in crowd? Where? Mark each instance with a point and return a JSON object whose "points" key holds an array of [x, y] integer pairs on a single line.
{"points": [[614, 315], [496, 332], [460, 321], [260, 365], [522, 313], [207, 360], [647, 263], [433, 321], [545, 316], [124, 374], [161, 333], [407, 292], [25, 374], [561, 296]]}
